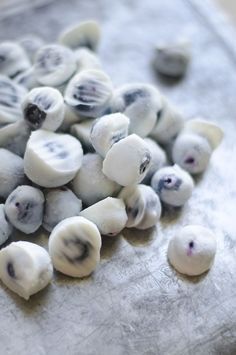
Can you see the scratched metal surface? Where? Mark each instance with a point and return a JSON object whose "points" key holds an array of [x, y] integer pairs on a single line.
{"points": [[135, 303]]}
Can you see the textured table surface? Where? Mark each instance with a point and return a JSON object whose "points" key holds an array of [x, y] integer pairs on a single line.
{"points": [[135, 303]]}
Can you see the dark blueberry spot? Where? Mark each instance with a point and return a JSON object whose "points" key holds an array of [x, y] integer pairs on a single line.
{"points": [[24, 210], [83, 248], [62, 155], [145, 163], [132, 96], [159, 114], [43, 101], [10, 270], [189, 160], [53, 147], [63, 188], [169, 182], [118, 136], [2, 58], [191, 245], [17, 204], [133, 211], [34, 116]]}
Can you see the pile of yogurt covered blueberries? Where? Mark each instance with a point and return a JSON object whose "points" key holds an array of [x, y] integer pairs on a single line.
{"points": [[82, 158]]}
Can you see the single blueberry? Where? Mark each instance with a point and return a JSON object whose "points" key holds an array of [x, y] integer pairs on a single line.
{"points": [[83, 248], [10, 270]]}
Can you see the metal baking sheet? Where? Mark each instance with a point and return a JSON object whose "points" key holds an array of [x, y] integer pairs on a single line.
{"points": [[135, 303]]}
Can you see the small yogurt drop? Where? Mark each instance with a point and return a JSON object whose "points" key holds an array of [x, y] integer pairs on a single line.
{"points": [[25, 268], [107, 130], [168, 125], [128, 161], [11, 172], [143, 206], [52, 159], [5, 227], [89, 93], [141, 103], [43, 108], [109, 215], [173, 185], [54, 65], [85, 34], [172, 59], [24, 208], [13, 59], [74, 246], [90, 184], [60, 204], [192, 250]]}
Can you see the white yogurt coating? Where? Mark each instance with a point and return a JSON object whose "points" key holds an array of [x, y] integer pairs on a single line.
{"points": [[159, 159], [90, 184], [128, 161], [109, 215], [86, 59], [43, 108], [5, 226], [74, 246], [25, 268], [81, 131], [173, 185], [52, 159], [108, 130], [192, 250], [13, 58]]}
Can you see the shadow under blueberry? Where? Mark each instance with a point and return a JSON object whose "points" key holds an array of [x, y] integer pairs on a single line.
{"points": [[138, 237], [187, 278], [167, 80], [170, 214], [109, 246]]}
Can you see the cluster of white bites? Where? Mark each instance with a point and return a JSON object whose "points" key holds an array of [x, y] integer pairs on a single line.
{"points": [[77, 154], [192, 250]]}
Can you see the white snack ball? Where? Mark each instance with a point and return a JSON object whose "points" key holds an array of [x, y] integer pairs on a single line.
{"points": [[86, 59], [13, 59], [109, 215], [192, 250], [52, 159], [14, 137], [173, 185], [5, 227], [192, 152], [172, 59], [81, 131], [89, 92], [143, 206], [107, 130], [60, 204], [141, 103], [159, 159], [25, 268], [31, 44], [11, 96], [85, 34], [44, 108], [24, 208], [54, 65], [90, 184], [128, 161], [74, 246], [168, 125], [11, 172]]}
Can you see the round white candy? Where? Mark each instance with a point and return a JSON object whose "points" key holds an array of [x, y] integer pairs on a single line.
{"points": [[13, 58], [141, 103], [60, 204], [84, 34], [25, 268], [173, 185], [43, 108], [159, 159], [54, 65], [52, 159], [5, 227], [109, 215], [143, 206], [128, 161], [90, 184], [192, 250], [74, 246], [11, 172], [89, 92], [192, 152], [107, 130], [11, 96], [24, 208], [168, 125]]}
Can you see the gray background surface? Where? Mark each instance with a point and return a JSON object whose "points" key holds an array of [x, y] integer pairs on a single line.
{"points": [[135, 303]]}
